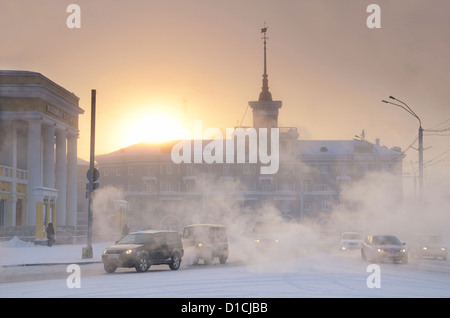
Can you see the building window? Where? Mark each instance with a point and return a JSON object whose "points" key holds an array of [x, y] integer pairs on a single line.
{"points": [[2, 212], [189, 171], [105, 172], [151, 171], [164, 186], [284, 170], [150, 187], [226, 171], [324, 205], [190, 186], [171, 169], [170, 187], [265, 186], [307, 185], [285, 206], [130, 170], [324, 169], [282, 186], [306, 205], [118, 172]]}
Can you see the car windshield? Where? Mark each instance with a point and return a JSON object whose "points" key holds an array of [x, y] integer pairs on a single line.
{"points": [[431, 239], [136, 238], [196, 232], [266, 228], [386, 240], [205, 233], [351, 236]]}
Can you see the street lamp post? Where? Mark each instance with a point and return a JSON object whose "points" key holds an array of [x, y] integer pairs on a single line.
{"points": [[410, 111]]}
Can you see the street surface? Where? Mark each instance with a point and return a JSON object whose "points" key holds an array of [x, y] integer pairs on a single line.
{"points": [[316, 275]]}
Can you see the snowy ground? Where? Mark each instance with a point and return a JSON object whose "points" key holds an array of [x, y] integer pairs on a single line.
{"points": [[318, 274]]}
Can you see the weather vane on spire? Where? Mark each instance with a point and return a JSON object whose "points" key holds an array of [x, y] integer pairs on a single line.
{"points": [[264, 30], [265, 94]]}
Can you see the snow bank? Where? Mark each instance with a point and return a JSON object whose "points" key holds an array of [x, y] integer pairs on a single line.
{"points": [[18, 252], [15, 242]]}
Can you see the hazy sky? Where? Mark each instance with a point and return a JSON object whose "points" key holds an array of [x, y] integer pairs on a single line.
{"points": [[202, 59]]}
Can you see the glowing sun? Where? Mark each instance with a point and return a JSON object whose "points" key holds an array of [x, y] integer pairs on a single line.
{"points": [[155, 128]]}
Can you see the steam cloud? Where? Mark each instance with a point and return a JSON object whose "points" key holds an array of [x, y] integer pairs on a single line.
{"points": [[378, 206]]}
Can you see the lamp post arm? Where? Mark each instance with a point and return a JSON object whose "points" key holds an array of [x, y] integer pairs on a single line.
{"points": [[409, 109], [404, 108]]}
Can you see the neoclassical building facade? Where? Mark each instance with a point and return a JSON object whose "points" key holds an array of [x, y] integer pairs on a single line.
{"points": [[307, 185], [38, 152]]}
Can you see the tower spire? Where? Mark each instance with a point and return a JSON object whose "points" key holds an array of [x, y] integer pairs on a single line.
{"points": [[265, 95], [265, 110]]}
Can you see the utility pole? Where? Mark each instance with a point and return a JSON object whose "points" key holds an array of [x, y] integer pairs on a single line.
{"points": [[405, 107], [92, 176]]}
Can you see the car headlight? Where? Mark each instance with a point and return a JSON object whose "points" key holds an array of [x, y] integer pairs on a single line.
{"points": [[104, 251], [200, 244], [256, 241], [380, 250], [404, 250], [128, 251], [276, 241], [424, 248], [443, 249]]}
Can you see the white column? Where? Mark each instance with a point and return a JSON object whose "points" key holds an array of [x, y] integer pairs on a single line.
{"points": [[13, 197], [72, 180], [34, 168], [13, 200], [49, 156], [61, 177]]}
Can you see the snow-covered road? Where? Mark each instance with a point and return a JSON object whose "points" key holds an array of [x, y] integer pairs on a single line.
{"points": [[320, 274]]}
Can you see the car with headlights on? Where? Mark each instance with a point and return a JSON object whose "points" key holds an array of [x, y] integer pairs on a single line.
{"points": [[144, 248], [350, 241], [428, 246], [266, 235], [384, 248], [206, 241]]}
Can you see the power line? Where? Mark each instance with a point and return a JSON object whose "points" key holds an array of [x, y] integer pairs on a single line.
{"points": [[435, 127], [441, 127], [431, 163]]}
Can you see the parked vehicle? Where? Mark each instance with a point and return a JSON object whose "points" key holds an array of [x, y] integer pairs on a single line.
{"points": [[350, 241], [143, 249], [383, 248], [428, 246], [207, 241]]}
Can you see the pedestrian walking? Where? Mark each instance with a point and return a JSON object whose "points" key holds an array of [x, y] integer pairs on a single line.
{"points": [[50, 234]]}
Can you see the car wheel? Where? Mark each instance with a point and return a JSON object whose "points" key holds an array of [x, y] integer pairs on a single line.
{"points": [[208, 260], [143, 263], [176, 262], [222, 259], [363, 256], [110, 268], [195, 260]]}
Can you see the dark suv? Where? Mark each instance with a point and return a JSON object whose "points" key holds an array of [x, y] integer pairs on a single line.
{"points": [[208, 241], [144, 248]]}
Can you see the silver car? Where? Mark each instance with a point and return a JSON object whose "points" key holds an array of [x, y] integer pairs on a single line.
{"points": [[429, 246], [350, 241]]}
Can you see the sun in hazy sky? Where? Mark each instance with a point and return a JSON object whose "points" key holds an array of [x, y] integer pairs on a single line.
{"points": [[155, 126]]}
